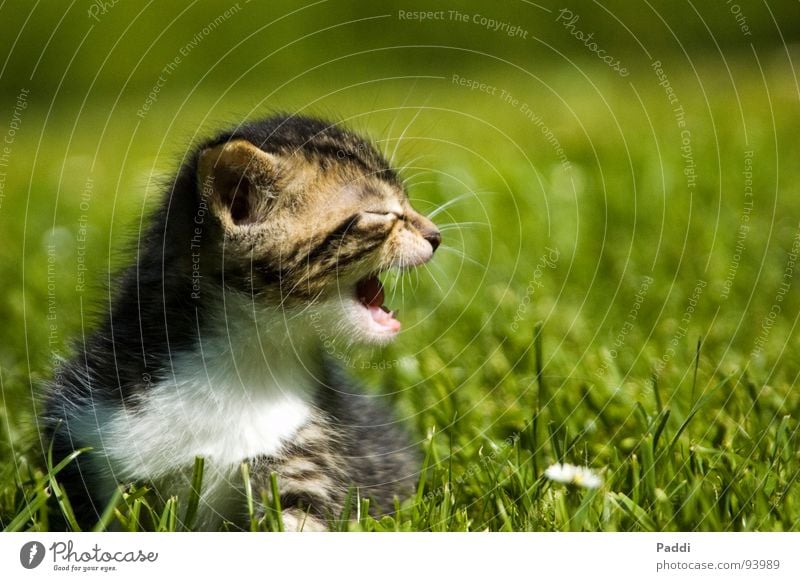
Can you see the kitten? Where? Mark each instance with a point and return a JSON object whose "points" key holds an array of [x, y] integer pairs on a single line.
{"points": [[271, 237]]}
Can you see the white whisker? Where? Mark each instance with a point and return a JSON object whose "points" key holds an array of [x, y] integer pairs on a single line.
{"points": [[433, 278], [407, 180], [460, 225], [399, 139], [460, 254], [409, 164], [394, 120], [449, 203]]}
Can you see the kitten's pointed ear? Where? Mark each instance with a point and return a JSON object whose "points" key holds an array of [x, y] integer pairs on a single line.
{"points": [[237, 179]]}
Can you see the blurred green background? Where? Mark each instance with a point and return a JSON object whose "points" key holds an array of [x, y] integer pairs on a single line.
{"points": [[572, 185]]}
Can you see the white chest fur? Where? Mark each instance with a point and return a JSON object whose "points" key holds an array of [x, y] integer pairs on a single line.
{"points": [[221, 419], [236, 398]]}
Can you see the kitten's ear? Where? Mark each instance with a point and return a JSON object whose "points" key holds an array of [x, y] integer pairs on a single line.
{"points": [[237, 180]]}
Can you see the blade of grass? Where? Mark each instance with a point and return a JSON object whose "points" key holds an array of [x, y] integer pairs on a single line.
{"points": [[65, 505], [194, 493], [660, 425], [109, 512], [248, 492], [538, 353], [656, 392], [636, 512], [696, 367], [696, 408], [168, 520], [26, 515], [276, 500]]}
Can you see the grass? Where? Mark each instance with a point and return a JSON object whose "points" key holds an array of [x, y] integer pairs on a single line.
{"points": [[608, 314]]}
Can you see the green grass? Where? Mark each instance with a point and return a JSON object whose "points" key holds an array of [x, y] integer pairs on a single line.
{"points": [[514, 356]]}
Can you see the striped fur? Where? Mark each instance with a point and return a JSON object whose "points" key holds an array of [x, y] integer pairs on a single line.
{"points": [[212, 345]]}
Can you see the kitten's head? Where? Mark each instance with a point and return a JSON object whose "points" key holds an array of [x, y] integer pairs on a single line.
{"points": [[310, 215]]}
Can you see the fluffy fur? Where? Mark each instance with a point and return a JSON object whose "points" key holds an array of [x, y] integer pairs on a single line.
{"points": [[211, 346]]}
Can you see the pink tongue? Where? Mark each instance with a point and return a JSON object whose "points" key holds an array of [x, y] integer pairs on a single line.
{"points": [[384, 318], [370, 292]]}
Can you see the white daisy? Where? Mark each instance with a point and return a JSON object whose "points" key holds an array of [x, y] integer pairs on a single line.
{"points": [[577, 475]]}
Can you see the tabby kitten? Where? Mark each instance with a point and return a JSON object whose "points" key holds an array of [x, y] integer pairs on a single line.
{"points": [[271, 237]]}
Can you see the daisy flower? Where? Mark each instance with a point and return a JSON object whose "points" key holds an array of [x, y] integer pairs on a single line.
{"points": [[576, 475]]}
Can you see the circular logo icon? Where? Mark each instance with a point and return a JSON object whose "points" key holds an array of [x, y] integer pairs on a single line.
{"points": [[31, 554]]}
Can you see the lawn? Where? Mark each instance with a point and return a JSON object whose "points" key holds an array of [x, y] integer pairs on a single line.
{"points": [[616, 287]]}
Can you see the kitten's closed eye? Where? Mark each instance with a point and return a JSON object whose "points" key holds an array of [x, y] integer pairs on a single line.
{"points": [[389, 214]]}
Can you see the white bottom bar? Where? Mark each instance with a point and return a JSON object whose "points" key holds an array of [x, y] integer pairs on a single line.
{"points": [[332, 556]]}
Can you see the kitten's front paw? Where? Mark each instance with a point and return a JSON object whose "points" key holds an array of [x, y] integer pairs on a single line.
{"points": [[296, 520]]}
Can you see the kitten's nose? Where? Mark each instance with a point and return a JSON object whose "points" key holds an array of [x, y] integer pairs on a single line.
{"points": [[427, 230], [434, 237]]}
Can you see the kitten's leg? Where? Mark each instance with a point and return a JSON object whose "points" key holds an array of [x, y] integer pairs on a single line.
{"points": [[312, 484], [306, 498], [296, 520]]}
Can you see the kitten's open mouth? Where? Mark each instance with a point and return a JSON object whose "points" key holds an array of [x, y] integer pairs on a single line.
{"points": [[369, 292]]}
